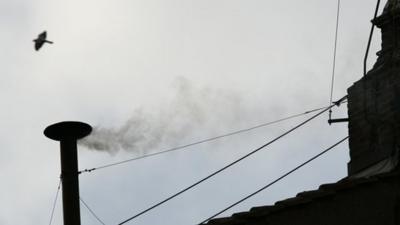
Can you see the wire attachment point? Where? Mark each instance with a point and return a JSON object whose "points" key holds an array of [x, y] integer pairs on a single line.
{"points": [[86, 171], [337, 103]]}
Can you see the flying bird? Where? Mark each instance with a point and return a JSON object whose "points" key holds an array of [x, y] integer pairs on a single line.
{"points": [[40, 40]]}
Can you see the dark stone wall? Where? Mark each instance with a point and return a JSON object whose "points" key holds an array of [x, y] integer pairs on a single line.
{"points": [[374, 118], [374, 101]]}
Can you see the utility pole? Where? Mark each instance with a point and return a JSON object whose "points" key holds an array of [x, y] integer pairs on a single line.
{"points": [[67, 133]]}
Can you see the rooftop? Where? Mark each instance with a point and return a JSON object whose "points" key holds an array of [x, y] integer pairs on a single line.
{"points": [[301, 200]]}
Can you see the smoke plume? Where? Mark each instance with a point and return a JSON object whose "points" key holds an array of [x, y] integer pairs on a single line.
{"points": [[191, 110]]}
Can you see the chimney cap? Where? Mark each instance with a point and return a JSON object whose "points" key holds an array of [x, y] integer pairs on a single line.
{"points": [[67, 130]]}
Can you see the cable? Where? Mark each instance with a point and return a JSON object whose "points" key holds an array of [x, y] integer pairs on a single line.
{"points": [[202, 141], [91, 211], [275, 181], [334, 56], [334, 51], [229, 165], [367, 117], [370, 38], [55, 202]]}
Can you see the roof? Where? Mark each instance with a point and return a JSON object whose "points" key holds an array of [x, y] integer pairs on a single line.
{"points": [[303, 198]]}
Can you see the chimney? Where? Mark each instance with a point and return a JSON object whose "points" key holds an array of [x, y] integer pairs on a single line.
{"points": [[374, 104], [67, 133]]}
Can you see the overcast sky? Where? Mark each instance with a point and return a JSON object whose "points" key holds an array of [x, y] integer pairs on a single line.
{"points": [[173, 72]]}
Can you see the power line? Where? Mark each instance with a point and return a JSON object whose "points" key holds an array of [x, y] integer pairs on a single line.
{"points": [[370, 37], [91, 211], [229, 165], [202, 141], [273, 182], [334, 51], [55, 202], [334, 56]]}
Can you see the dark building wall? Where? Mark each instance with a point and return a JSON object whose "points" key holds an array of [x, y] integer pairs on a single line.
{"points": [[374, 101], [374, 119]]}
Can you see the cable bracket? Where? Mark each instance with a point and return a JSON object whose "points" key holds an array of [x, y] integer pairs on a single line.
{"points": [[340, 120]]}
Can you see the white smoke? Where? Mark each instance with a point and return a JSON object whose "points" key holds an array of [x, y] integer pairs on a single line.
{"points": [[193, 108]]}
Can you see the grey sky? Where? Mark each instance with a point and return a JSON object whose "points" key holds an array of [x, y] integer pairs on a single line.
{"points": [[243, 62]]}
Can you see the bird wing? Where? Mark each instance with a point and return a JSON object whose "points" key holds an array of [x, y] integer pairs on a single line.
{"points": [[38, 45], [42, 36]]}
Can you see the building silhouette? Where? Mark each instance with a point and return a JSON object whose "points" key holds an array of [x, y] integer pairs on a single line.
{"points": [[370, 194]]}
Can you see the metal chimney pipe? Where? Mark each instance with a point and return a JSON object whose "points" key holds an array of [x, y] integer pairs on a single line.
{"points": [[68, 133]]}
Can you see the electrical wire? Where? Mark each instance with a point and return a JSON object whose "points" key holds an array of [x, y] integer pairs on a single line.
{"points": [[230, 164], [273, 182], [370, 38], [334, 51], [334, 56], [55, 202], [202, 141], [91, 211]]}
